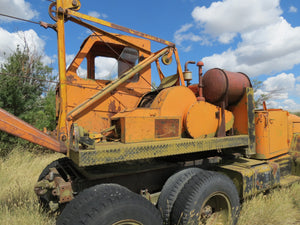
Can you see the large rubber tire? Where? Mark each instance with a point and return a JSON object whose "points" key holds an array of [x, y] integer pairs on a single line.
{"points": [[46, 198], [171, 189], [109, 204], [207, 198]]}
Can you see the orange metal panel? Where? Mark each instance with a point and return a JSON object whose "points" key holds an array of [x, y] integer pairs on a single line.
{"points": [[203, 120], [137, 129], [126, 96], [19, 128], [174, 101], [240, 113], [144, 124], [271, 129], [141, 129]]}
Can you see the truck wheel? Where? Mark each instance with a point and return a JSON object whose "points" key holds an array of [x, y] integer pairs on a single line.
{"points": [[171, 189], [207, 199], [53, 164], [46, 198], [109, 204]]}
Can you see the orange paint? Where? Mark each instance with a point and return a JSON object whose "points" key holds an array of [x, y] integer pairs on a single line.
{"points": [[271, 129]]}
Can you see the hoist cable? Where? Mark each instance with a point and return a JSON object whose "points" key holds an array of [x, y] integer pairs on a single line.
{"points": [[18, 18]]}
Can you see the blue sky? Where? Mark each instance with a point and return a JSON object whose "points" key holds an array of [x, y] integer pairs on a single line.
{"points": [[259, 38]]}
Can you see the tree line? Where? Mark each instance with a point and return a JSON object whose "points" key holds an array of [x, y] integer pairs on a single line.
{"points": [[26, 93]]}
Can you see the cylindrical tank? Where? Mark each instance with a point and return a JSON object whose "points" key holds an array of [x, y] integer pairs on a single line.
{"points": [[219, 85]]}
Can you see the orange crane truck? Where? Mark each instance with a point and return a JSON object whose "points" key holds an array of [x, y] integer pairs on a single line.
{"points": [[181, 153]]}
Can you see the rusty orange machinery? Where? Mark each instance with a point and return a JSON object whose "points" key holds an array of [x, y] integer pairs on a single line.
{"points": [[221, 104], [79, 89], [180, 111], [275, 130]]}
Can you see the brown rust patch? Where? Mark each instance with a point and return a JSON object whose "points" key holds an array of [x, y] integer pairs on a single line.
{"points": [[298, 144], [165, 128], [71, 78]]}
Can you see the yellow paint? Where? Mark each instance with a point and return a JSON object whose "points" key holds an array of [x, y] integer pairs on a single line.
{"points": [[119, 152], [62, 126]]}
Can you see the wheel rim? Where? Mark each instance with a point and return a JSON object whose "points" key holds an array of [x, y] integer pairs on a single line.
{"points": [[128, 222], [216, 210]]}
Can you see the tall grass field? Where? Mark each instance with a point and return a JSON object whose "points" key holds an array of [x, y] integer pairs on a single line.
{"points": [[18, 203]]}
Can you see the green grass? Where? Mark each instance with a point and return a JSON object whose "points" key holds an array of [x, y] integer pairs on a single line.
{"points": [[18, 203]]}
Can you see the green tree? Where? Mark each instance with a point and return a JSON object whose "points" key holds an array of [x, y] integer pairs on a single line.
{"points": [[25, 93]]}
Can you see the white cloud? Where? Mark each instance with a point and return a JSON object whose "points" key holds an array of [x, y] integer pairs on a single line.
{"points": [[293, 9], [290, 105], [280, 86], [18, 8], [268, 43], [226, 38], [224, 19], [10, 42], [69, 59], [106, 68], [180, 36], [184, 28], [97, 14], [281, 82], [280, 89], [263, 51]]}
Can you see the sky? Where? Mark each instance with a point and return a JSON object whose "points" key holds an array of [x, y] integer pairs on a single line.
{"points": [[258, 37]]}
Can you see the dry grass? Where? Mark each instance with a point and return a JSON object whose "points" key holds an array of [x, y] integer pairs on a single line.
{"points": [[19, 205], [18, 173], [280, 207]]}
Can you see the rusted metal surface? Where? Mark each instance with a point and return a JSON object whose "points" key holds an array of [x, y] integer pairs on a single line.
{"points": [[57, 186], [118, 152], [166, 128], [19, 128], [244, 119], [200, 84], [252, 176], [222, 85], [63, 190]]}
